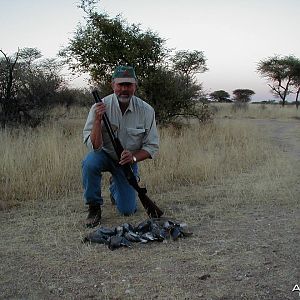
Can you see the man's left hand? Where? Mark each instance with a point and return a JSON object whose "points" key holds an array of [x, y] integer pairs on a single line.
{"points": [[126, 157]]}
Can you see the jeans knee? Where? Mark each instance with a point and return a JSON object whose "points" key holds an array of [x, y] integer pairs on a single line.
{"points": [[92, 163], [89, 166], [127, 206]]}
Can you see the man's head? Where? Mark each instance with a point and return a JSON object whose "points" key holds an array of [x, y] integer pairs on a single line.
{"points": [[124, 83]]}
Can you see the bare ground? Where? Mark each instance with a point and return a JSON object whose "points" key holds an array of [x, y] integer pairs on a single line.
{"points": [[245, 243]]}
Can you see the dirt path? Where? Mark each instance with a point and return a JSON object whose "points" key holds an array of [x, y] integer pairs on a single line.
{"points": [[284, 133], [245, 243]]}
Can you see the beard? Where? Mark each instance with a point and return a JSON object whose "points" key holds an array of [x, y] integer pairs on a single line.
{"points": [[124, 98]]}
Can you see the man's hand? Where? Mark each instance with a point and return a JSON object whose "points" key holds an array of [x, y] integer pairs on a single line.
{"points": [[100, 110], [96, 134], [126, 157]]}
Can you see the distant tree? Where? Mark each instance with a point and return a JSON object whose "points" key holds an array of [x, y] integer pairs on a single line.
{"points": [[241, 99], [242, 95], [27, 85], [68, 97], [296, 82], [189, 63], [220, 96], [280, 71]]}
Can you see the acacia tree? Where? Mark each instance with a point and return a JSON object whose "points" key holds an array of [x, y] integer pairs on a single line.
{"points": [[241, 99], [104, 42], [281, 72], [220, 96], [189, 63], [242, 95], [296, 83]]}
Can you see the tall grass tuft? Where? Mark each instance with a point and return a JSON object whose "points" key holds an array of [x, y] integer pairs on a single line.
{"points": [[204, 153], [39, 164]]}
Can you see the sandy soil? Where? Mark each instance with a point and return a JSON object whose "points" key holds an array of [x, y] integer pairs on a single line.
{"points": [[245, 243]]}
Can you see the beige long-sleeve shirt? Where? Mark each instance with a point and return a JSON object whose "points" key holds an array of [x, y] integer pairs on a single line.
{"points": [[136, 129]]}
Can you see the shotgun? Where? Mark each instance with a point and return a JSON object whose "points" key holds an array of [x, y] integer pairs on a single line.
{"points": [[151, 208]]}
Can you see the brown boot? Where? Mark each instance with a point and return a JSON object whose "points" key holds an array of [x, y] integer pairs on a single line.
{"points": [[94, 217]]}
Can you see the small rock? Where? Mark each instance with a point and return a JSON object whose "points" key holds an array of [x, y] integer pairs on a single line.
{"points": [[204, 276], [238, 278]]}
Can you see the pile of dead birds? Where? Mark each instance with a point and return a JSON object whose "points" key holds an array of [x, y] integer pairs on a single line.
{"points": [[147, 231]]}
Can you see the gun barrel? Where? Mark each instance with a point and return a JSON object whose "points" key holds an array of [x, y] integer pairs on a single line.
{"points": [[153, 211]]}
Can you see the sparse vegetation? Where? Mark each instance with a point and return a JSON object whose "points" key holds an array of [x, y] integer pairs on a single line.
{"points": [[234, 188], [256, 111], [48, 159], [283, 73]]}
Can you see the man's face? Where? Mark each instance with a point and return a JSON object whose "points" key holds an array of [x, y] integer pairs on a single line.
{"points": [[124, 91]]}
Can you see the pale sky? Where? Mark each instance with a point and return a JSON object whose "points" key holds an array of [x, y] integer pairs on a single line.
{"points": [[234, 34]]}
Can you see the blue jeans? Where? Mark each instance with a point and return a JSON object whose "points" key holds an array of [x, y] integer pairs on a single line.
{"points": [[124, 194]]}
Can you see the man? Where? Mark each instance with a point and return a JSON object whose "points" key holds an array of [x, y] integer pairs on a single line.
{"points": [[133, 122]]}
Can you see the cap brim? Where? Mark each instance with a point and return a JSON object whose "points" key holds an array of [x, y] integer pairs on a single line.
{"points": [[123, 80]]}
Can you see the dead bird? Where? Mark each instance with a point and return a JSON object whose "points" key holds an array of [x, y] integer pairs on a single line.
{"points": [[156, 229], [132, 237], [144, 226], [115, 242]]}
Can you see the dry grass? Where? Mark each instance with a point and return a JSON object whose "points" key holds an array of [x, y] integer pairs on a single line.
{"points": [[203, 153], [234, 188], [45, 163], [257, 111], [41, 163]]}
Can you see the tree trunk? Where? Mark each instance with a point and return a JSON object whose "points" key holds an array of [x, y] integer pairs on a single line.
{"points": [[7, 97], [286, 90]]}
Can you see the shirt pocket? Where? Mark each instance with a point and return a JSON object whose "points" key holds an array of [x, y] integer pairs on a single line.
{"points": [[135, 138]]}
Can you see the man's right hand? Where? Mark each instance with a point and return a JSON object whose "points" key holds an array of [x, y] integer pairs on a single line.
{"points": [[96, 134], [100, 110]]}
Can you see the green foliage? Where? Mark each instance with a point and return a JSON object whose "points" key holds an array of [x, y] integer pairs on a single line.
{"points": [[27, 85], [283, 72], [73, 96], [104, 42], [188, 63], [220, 96], [242, 95], [167, 84], [171, 98]]}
